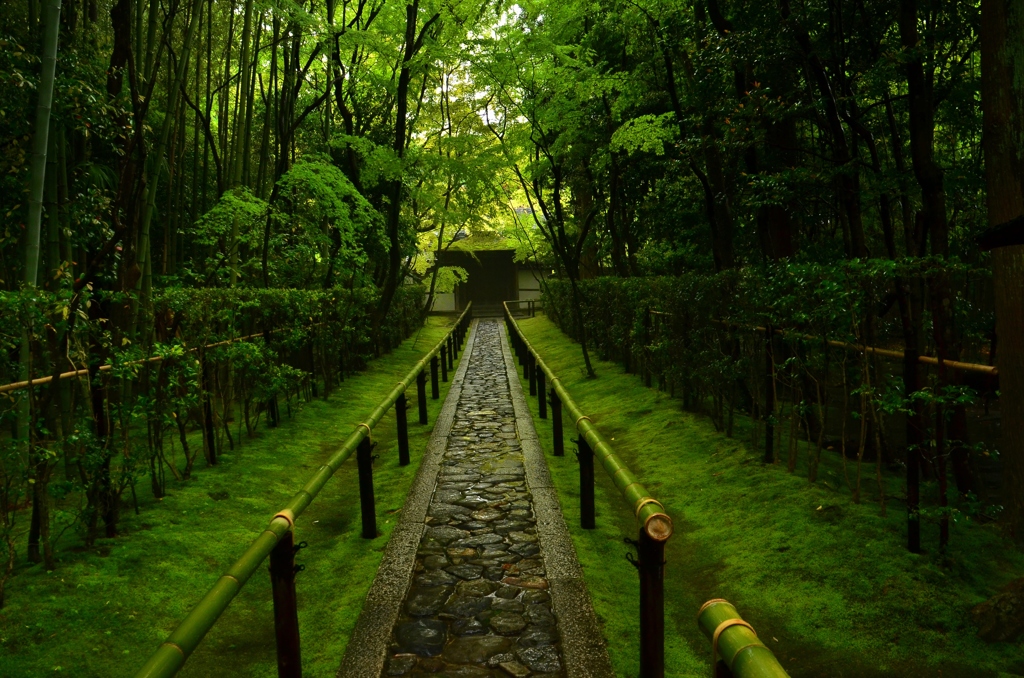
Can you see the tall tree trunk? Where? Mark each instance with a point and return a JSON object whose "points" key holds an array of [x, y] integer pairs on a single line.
{"points": [[413, 43], [1002, 100], [144, 259]]}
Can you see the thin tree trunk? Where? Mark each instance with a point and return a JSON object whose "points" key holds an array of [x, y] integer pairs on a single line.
{"points": [[40, 140]]}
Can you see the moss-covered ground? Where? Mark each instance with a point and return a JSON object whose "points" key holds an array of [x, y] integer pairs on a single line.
{"points": [[104, 610], [828, 584]]}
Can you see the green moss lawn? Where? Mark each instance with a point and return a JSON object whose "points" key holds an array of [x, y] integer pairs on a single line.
{"points": [[828, 584], [104, 610]]}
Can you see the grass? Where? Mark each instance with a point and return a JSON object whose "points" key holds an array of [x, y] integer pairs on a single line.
{"points": [[105, 609], [827, 583]]}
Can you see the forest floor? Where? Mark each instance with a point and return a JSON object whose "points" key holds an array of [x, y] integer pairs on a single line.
{"points": [[104, 610], [828, 583]]}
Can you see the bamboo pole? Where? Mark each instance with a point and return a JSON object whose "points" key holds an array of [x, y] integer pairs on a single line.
{"points": [[106, 368], [884, 352], [40, 142], [736, 642]]}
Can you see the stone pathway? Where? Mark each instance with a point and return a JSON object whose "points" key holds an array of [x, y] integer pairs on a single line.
{"points": [[478, 605]]}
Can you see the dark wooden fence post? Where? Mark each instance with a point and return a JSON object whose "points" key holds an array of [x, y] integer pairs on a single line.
{"points": [[312, 370], [532, 363], [435, 391], [769, 398], [646, 366], [651, 565], [451, 352], [586, 459], [421, 395], [402, 419], [556, 424], [364, 458], [542, 403], [286, 614], [207, 395], [444, 365]]}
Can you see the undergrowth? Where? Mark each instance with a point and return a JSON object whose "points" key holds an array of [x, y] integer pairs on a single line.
{"points": [[105, 609], [827, 583]]}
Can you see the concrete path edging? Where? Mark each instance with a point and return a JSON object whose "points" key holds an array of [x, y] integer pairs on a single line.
{"points": [[367, 647], [583, 646]]}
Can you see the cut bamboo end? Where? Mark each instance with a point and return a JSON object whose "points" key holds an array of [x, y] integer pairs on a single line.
{"points": [[286, 514], [658, 527]]}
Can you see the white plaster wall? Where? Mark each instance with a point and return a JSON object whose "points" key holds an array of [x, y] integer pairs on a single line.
{"points": [[529, 285], [444, 302]]}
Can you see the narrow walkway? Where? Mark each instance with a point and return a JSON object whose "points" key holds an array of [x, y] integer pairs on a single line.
{"points": [[478, 605]]}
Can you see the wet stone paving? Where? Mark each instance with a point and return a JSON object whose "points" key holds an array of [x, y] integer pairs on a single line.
{"points": [[478, 605]]}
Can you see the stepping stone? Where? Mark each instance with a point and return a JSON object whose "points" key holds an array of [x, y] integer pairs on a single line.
{"points": [[540, 659], [510, 526], [465, 571], [507, 623], [514, 669], [424, 601], [468, 627], [454, 486], [464, 607], [525, 550], [472, 502], [498, 659], [540, 615], [520, 537], [475, 649], [538, 636], [446, 496], [430, 546], [527, 582], [445, 534], [506, 592], [478, 540], [400, 664], [496, 573], [434, 578], [425, 637], [487, 515], [477, 587]]}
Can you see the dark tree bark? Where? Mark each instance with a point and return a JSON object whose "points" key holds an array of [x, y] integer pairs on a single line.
{"points": [[1002, 92]]}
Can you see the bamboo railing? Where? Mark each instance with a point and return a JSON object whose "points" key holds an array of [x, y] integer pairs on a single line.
{"points": [[654, 523], [735, 641], [277, 540]]}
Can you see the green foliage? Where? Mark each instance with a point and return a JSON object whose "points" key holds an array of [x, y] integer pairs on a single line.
{"points": [[326, 218], [236, 210], [448, 277], [644, 134], [107, 608]]}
